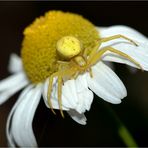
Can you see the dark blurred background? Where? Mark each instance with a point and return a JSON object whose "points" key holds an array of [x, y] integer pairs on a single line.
{"points": [[101, 129]]}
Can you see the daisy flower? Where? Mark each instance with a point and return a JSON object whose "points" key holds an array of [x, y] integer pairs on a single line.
{"points": [[62, 60]]}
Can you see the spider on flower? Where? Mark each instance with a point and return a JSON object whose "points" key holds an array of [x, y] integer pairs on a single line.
{"points": [[62, 61], [77, 60]]}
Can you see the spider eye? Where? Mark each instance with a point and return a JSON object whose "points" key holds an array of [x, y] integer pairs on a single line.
{"points": [[68, 47]]}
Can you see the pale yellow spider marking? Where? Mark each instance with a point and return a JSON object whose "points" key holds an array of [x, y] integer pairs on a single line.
{"points": [[79, 63]]}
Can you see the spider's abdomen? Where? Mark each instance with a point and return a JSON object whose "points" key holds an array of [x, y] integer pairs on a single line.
{"points": [[40, 38]]}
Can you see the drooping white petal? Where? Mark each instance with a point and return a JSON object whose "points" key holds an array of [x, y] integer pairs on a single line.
{"points": [[11, 141], [81, 83], [15, 64], [139, 53], [79, 118], [75, 95], [85, 96], [85, 101], [70, 93], [106, 84], [23, 117], [11, 85]]}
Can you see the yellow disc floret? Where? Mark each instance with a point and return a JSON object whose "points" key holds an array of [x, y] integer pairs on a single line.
{"points": [[68, 47], [39, 48]]}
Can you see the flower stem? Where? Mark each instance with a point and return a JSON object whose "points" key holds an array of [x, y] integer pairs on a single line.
{"points": [[126, 136], [122, 130]]}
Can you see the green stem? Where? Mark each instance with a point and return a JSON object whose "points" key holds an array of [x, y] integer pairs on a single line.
{"points": [[126, 136], [122, 130]]}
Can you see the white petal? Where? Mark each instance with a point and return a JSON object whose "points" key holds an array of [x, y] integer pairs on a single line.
{"points": [[9, 134], [23, 118], [12, 81], [124, 30], [6, 93], [139, 53], [81, 83], [106, 84], [75, 95], [85, 96], [15, 64], [70, 93], [4, 96], [79, 118], [85, 101]]}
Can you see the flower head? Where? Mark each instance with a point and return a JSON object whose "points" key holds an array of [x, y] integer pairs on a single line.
{"points": [[62, 60], [39, 53]]}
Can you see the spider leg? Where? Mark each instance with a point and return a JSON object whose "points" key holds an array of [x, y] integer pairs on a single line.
{"points": [[116, 37], [60, 74], [90, 72], [75, 75], [94, 50], [63, 65], [60, 94], [86, 52], [50, 90], [102, 51], [72, 73], [63, 62]]}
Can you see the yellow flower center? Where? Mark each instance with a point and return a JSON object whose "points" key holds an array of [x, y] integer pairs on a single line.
{"points": [[46, 34]]}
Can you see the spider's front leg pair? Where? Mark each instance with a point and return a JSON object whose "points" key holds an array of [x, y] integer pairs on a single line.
{"points": [[96, 54], [60, 75]]}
